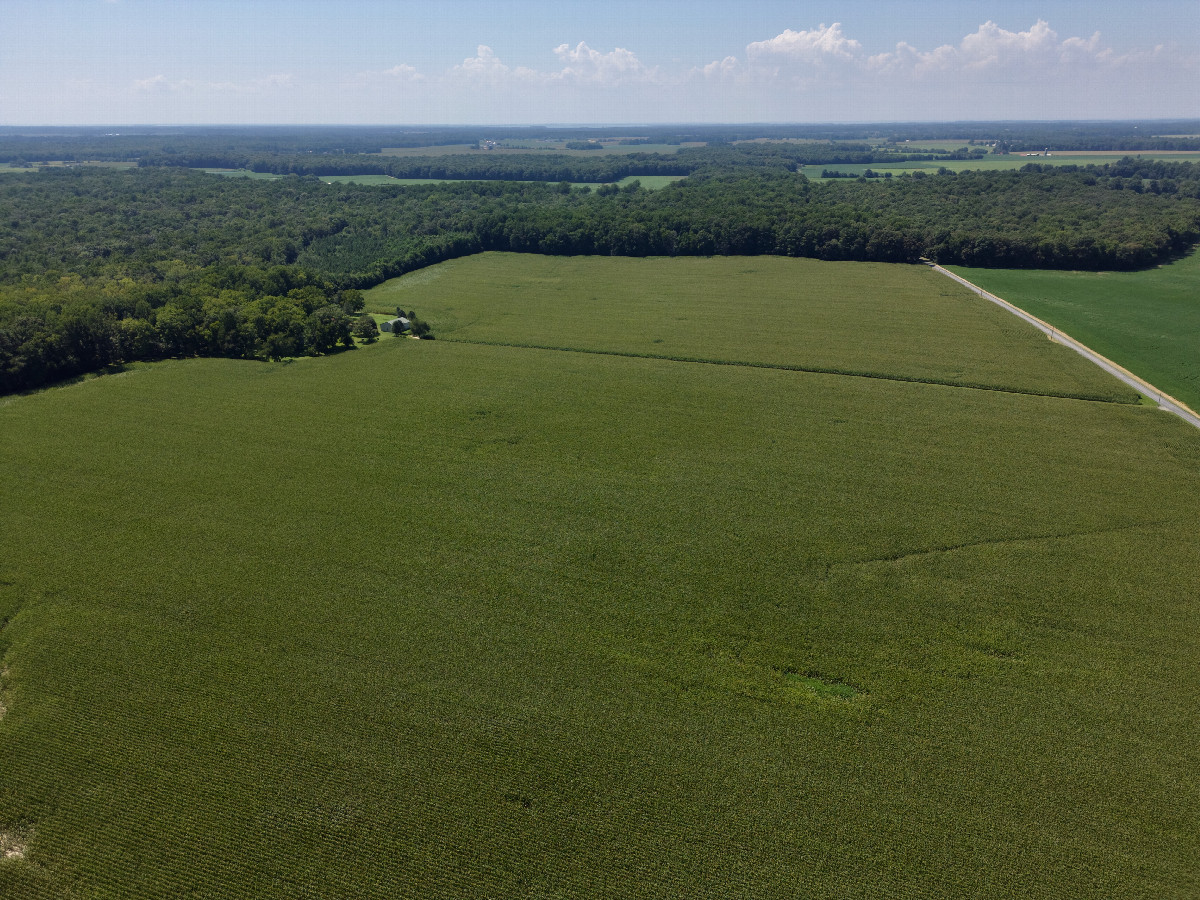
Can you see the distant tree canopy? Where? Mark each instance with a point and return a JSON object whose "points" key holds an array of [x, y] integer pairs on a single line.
{"points": [[100, 266], [549, 166], [102, 143]]}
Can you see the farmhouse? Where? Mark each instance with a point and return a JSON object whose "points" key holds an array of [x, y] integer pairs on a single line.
{"points": [[400, 323]]}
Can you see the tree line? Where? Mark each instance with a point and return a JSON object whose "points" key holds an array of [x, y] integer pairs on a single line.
{"points": [[547, 166], [41, 144], [100, 266]]}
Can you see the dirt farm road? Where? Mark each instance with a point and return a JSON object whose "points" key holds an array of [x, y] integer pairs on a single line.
{"points": [[1164, 401]]}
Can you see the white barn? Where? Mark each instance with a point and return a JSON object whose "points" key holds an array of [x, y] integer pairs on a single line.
{"points": [[400, 323]]}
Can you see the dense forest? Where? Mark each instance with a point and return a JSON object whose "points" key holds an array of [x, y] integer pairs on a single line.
{"points": [[546, 166], [101, 266]]}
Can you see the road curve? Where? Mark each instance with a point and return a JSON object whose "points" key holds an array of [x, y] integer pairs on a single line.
{"points": [[1165, 401]]}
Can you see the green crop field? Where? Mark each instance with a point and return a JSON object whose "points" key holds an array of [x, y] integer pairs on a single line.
{"points": [[652, 182], [606, 147], [508, 147], [1147, 321], [920, 146], [435, 150], [242, 173], [365, 179], [384, 179], [451, 619], [990, 163], [107, 164], [58, 164], [638, 148], [761, 310]]}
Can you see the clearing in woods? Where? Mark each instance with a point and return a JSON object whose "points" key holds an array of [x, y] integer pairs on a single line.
{"points": [[993, 163], [456, 618]]}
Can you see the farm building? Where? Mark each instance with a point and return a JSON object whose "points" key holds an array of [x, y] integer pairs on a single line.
{"points": [[400, 323]]}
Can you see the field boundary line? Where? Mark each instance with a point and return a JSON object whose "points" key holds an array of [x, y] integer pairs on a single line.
{"points": [[1165, 401], [787, 367]]}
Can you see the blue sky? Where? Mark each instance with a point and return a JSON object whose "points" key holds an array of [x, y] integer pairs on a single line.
{"points": [[529, 61]]}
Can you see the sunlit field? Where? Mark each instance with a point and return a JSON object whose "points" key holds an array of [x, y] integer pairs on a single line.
{"points": [[606, 592]]}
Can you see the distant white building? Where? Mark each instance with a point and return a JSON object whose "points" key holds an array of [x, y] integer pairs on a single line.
{"points": [[400, 323]]}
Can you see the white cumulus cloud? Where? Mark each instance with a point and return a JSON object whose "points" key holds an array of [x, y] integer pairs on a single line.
{"points": [[404, 72], [722, 69], [154, 83], [992, 50], [485, 65], [824, 72], [582, 63], [822, 44], [579, 65]]}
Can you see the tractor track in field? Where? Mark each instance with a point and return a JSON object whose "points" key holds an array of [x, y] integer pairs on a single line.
{"points": [[788, 367], [1165, 401], [926, 552]]}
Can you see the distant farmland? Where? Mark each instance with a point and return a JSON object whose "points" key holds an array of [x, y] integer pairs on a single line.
{"points": [[241, 173], [468, 618], [650, 182], [1007, 162], [509, 147]]}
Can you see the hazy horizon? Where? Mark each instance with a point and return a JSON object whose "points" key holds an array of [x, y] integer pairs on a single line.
{"points": [[590, 125]]}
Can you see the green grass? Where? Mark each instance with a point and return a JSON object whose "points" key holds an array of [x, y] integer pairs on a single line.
{"points": [[652, 182], [1147, 321], [242, 173], [763, 310], [437, 619]]}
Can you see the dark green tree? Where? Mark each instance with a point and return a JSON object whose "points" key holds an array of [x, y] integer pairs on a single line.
{"points": [[365, 328], [327, 328]]}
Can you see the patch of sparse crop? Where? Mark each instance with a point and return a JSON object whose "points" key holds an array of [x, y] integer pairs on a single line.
{"points": [[440, 619]]}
